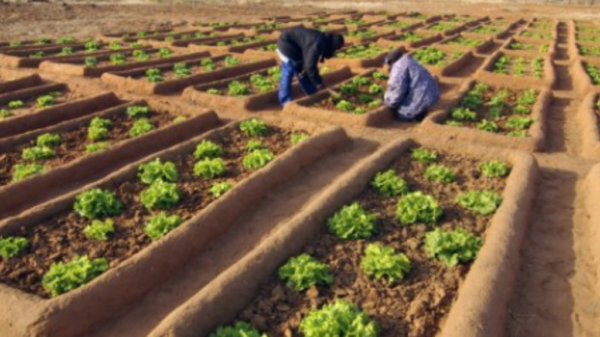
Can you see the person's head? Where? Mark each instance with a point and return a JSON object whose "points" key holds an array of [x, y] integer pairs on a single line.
{"points": [[336, 42], [393, 57]]}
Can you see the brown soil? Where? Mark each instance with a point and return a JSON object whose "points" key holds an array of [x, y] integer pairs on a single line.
{"points": [[536, 34], [30, 105], [526, 61], [130, 60], [328, 103], [253, 90], [60, 238], [483, 111], [415, 306], [195, 68], [74, 142]]}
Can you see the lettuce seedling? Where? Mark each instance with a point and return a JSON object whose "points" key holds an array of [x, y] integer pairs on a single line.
{"points": [[45, 101], [352, 222], [165, 52], [140, 55], [463, 114], [48, 139], [480, 202], [155, 170], [160, 224], [208, 64], [345, 106], [99, 230], [452, 248], [231, 61], [66, 51], [208, 149], [97, 203], [97, 133], [254, 127], [210, 168], [257, 159], [361, 81], [23, 171], [91, 46], [181, 70], [488, 126], [349, 89], [37, 55], [240, 329], [99, 122], [299, 137], [117, 58], [64, 277], [161, 195], [417, 207], [254, 144], [382, 262], [472, 100], [12, 246], [365, 99], [379, 76], [213, 91], [521, 110], [90, 62], [494, 169], [519, 123], [140, 127], [37, 153], [137, 111], [338, 319], [218, 189], [440, 174], [375, 89], [116, 45], [389, 184], [154, 75], [16, 104], [423, 155], [304, 271], [95, 147], [237, 88]]}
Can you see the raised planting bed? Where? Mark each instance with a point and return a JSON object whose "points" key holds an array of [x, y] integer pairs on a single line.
{"points": [[476, 45], [467, 20], [40, 164], [234, 45], [586, 75], [547, 25], [360, 102], [588, 119], [96, 66], [134, 36], [366, 35], [264, 28], [19, 83], [592, 183], [495, 113], [442, 60], [92, 49], [362, 55], [182, 36], [445, 28], [426, 18], [415, 39], [508, 65], [537, 47], [588, 50], [495, 30], [545, 35], [331, 250], [209, 181], [200, 40], [589, 38], [401, 25], [252, 91], [42, 42], [174, 77], [44, 105]]}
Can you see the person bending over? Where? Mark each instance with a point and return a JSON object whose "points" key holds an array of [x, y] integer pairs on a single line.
{"points": [[412, 90], [300, 50]]}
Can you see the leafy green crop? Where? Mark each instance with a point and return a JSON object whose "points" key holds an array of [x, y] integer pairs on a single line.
{"points": [[208, 149], [11, 246], [417, 207], [440, 174], [4, 113], [17, 104], [304, 271], [140, 55], [210, 168], [181, 70], [231, 61], [352, 222], [208, 64], [480, 202], [37, 153], [140, 127], [48, 139], [488, 126], [240, 329], [362, 52], [237, 88], [98, 129], [463, 114], [519, 123], [423, 155], [219, 188], [116, 45], [299, 137], [23, 171], [155, 170], [90, 62], [160, 194], [37, 55], [154, 75], [165, 52], [45, 101], [389, 184], [99, 230], [97, 203], [495, 169], [137, 111], [430, 56], [339, 319], [382, 262], [254, 127], [117, 59], [452, 248], [64, 277], [257, 159], [160, 224]]}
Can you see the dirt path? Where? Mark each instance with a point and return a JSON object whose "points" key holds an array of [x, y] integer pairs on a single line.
{"points": [[556, 296]]}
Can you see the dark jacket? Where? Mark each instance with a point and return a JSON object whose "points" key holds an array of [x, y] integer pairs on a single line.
{"points": [[306, 47]]}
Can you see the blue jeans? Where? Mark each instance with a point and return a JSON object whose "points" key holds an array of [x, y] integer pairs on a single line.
{"points": [[288, 71]]}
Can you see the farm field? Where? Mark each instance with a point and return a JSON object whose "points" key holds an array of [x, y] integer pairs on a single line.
{"points": [[151, 185]]}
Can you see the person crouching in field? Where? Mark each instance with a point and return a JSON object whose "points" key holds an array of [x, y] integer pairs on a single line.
{"points": [[412, 90], [300, 50]]}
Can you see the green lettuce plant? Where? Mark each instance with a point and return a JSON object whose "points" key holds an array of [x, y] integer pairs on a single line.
{"points": [[48, 139], [352, 222], [389, 184], [453, 247], [65, 277], [417, 207], [24, 171], [257, 159], [96, 147], [239, 329], [140, 127], [254, 127], [219, 188], [35, 153], [97, 203], [304, 271], [99, 230], [210, 168], [440, 174], [12, 246], [207, 149], [338, 319], [160, 194], [382, 262], [423, 155], [480, 202], [156, 169], [137, 111], [494, 169], [160, 224]]}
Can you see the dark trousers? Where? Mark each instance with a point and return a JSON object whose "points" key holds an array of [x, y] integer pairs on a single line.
{"points": [[288, 72]]}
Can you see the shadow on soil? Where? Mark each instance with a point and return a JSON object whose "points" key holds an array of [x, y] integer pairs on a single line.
{"points": [[543, 302]]}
